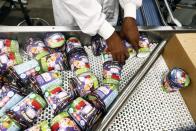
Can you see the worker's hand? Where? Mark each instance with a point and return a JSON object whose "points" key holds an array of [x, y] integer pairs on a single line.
{"points": [[116, 48], [129, 31]]}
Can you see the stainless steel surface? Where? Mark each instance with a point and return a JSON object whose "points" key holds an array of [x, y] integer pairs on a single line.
{"points": [[37, 29], [132, 66], [159, 10], [31, 29], [21, 33], [130, 87], [40, 20], [149, 108], [174, 20], [188, 6]]}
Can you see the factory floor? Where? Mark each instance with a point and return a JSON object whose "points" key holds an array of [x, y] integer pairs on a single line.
{"points": [[37, 8], [43, 9]]}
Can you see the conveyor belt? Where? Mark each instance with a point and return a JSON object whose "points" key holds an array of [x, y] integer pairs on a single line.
{"points": [[140, 19], [148, 108], [148, 14]]}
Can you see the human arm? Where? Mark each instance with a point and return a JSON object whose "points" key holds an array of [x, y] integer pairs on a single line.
{"points": [[129, 28]]}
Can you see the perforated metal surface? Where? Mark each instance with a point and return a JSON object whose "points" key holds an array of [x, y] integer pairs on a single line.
{"points": [[148, 108]]}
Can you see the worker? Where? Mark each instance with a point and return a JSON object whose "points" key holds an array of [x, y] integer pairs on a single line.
{"points": [[98, 17]]}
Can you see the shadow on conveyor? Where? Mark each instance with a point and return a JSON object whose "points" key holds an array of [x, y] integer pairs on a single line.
{"points": [[149, 14]]}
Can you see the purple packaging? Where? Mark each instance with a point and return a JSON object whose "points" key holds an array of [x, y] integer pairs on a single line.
{"points": [[58, 98], [83, 113], [19, 75], [98, 45], [144, 47], [54, 40], [78, 61], [175, 80], [56, 61], [72, 43], [27, 110], [41, 83], [84, 84], [63, 122], [111, 72], [36, 48], [9, 96], [103, 97]]}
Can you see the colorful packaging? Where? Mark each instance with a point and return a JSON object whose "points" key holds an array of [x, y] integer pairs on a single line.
{"points": [[63, 122], [83, 113], [98, 45], [9, 59], [166, 86], [56, 61], [20, 74], [78, 61], [41, 83], [72, 43], [58, 98], [27, 69], [7, 46], [9, 54], [106, 57], [111, 72], [96, 102], [105, 94], [9, 96], [43, 126], [144, 49], [84, 84], [8, 124], [27, 110], [131, 51], [36, 48], [54, 40], [175, 79]]}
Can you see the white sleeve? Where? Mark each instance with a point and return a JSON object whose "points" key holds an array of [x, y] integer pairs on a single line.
{"points": [[89, 17], [130, 7]]}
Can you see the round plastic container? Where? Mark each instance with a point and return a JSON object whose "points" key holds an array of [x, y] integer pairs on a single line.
{"points": [[98, 45], [144, 48], [103, 97], [19, 75], [35, 48], [27, 110], [8, 124], [175, 80], [56, 61], [78, 61], [41, 83], [111, 72], [131, 51], [9, 96], [54, 40], [72, 43], [58, 98], [84, 84], [7, 45], [83, 113], [9, 59], [42, 126], [63, 122]]}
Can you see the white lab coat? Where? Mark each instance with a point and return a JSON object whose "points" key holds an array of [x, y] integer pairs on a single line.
{"points": [[93, 16]]}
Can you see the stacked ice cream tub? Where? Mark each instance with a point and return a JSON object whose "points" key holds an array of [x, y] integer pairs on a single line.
{"points": [[27, 88]]}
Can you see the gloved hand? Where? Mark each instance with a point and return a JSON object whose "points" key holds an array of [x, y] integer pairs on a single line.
{"points": [[129, 31], [116, 48]]}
